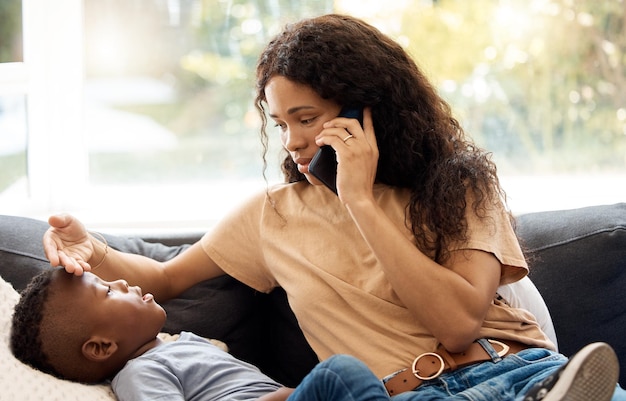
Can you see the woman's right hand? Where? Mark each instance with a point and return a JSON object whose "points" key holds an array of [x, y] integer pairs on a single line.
{"points": [[357, 155], [67, 243]]}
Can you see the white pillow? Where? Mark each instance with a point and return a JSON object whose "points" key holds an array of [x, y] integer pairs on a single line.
{"points": [[523, 294], [21, 382]]}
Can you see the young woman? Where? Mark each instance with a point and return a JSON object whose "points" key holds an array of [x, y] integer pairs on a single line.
{"points": [[400, 267]]}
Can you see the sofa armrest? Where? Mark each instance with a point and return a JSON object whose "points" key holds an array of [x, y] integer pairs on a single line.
{"points": [[175, 239], [578, 262]]}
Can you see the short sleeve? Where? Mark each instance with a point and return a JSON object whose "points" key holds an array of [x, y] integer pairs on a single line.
{"points": [[493, 232]]}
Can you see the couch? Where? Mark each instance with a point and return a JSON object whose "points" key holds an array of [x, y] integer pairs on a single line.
{"points": [[577, 259]]}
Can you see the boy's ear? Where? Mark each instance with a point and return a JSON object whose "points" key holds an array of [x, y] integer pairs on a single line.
{"points": [[98, 348]]}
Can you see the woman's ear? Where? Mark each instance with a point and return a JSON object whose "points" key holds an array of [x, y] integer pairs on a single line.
{"points": [[98, 348]]}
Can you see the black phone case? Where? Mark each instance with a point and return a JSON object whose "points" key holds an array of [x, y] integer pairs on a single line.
{"points": [[323, 166]]}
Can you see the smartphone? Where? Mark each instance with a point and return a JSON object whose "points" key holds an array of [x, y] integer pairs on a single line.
{"points": [[323, 166]]}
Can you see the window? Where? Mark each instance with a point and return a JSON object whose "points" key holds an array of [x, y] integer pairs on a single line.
{"points": [[138, 113]]}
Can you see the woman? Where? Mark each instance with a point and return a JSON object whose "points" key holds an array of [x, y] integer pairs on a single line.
{"points": [[403, 262]]}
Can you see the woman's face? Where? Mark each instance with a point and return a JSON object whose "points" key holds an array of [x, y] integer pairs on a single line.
{"points": [[299, 113]]}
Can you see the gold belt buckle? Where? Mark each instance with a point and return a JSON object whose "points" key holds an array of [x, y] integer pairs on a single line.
{"points": [[505, 348], [416, 371]]}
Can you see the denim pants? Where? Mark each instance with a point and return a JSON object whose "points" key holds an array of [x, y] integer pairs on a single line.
{"points": [[343, 377], [340, 378]]}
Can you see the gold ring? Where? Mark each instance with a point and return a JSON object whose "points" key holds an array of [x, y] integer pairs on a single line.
{"points": [[348, 137]]}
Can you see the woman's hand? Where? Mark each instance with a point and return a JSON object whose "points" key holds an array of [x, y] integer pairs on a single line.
{"points": [[67, 243], [357, 155]]}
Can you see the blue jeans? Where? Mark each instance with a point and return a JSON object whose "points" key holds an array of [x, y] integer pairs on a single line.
{"points": [[343, 377], [340, 378]]}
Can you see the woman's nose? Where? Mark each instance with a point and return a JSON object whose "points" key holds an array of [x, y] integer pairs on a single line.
{"points": [[293, 139]]}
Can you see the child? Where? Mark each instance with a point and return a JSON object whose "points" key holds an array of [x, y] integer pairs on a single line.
{"points": [[85, 329], [89, 330]]}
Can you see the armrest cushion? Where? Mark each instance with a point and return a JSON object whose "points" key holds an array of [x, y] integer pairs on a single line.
{"points": [[578, 263]]}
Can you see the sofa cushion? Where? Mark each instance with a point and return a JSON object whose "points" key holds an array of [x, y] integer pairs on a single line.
{"points": [[22, 256], [221, 308], [578, 263]]}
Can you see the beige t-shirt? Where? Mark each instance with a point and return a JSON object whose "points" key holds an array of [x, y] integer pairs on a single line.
{"points": [[303, 239]]}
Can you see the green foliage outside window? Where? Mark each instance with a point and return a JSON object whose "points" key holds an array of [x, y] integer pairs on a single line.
{"points": [[10, 31], [541, 83]]}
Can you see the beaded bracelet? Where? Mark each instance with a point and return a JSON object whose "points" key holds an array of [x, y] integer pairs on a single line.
{"points": [[106, 249]]}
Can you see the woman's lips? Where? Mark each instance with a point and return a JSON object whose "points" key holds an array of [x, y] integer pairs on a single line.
{"points": [[303, 165]]}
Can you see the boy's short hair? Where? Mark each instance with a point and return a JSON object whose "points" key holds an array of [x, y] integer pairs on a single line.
{"points": [[47, 335], [25, 340]]}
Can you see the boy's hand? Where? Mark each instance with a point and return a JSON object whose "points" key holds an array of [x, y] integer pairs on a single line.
{"points": [[279, 395], [67, 243]]}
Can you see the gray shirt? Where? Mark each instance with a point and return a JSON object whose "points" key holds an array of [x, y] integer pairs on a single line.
{"points": [[193, 369]]}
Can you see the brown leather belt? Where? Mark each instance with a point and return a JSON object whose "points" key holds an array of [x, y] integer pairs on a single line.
{"points": [[430, 365]]}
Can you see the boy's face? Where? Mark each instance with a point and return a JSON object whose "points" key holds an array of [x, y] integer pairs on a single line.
{"points": [[112, 308]]}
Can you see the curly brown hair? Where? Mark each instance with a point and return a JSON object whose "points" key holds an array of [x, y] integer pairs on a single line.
{"points": [[422, 146]]}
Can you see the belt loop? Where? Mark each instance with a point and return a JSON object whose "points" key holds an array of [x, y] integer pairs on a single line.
{"points": [[493, 354]]}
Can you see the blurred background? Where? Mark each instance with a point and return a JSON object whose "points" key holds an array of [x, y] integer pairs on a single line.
{"points": [[138, 114]]}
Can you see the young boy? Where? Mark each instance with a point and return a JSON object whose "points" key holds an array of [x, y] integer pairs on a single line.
{"points": [[85, 329], [89, 330]]}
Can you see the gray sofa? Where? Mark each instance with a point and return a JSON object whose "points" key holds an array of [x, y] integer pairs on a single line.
{"points": [[577, 258]]}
